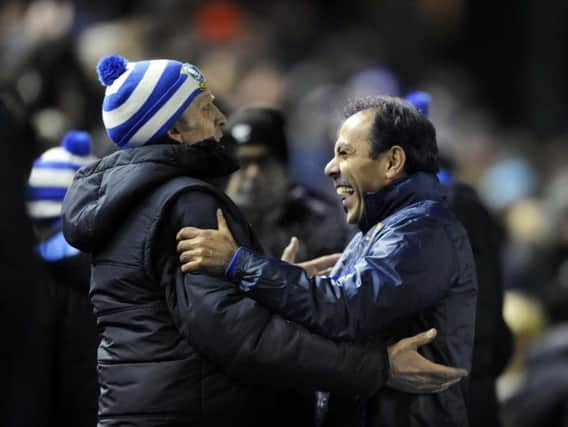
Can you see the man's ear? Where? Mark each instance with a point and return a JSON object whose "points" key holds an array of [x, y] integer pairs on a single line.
{"points": [[396, 162], [175, 134]]}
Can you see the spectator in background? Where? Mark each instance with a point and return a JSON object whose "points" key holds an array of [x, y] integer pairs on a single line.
{"points": [[493, 343], [74, 391], [276, 208], [540, 395]]}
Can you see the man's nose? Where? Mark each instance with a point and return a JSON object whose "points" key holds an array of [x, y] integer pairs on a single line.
{"points": [[221, 119], [331, 168]]}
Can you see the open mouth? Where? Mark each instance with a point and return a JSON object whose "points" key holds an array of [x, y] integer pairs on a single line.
{"points": [[344, 191]]}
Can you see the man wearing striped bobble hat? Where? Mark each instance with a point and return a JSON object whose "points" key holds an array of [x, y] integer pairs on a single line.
{"points": [[72, 327], [189, 349]]}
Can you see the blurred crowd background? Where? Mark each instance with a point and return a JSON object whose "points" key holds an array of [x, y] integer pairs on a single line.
{"points": [[497, 72]]}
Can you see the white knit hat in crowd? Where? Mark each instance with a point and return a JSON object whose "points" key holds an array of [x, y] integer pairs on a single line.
{"points": [[144, 99], [52, 174]]}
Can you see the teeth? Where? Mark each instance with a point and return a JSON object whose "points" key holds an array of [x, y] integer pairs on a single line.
{"points": [[344, 191]]}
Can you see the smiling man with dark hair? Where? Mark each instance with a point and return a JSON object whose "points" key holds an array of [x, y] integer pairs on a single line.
{"points": [[409, 268]]}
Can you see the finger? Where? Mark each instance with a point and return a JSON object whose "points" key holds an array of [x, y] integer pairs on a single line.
{"points": [[290, 251], [188, 233], [437, 372], [326, 261], [184, 245], [222, 225], [318, 264], [188, 256], [325, 272], [450, 373], [331, 257], [421, 339], [188, 267], [189, 244]]}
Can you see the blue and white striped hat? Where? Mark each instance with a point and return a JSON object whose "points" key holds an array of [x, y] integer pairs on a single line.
{"points": [[144, 99], [53, 172]]}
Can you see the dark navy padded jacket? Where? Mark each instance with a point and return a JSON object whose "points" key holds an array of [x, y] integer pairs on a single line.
{"points": [[409, 269]]}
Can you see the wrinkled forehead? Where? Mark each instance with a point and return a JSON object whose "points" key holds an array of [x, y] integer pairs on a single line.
{"points": [[203, 98], [197, 104]]}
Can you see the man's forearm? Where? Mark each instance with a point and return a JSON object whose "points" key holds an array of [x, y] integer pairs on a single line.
{"points": [[286, 289], [256, 346]]}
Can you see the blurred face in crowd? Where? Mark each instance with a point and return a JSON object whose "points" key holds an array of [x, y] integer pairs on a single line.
{"points": [[261, 182], [202, 120], [353, 170]]}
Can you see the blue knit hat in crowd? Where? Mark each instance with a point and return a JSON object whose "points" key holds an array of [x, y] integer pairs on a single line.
{"points": [[144, 99], [53, 173], [420, 100]]}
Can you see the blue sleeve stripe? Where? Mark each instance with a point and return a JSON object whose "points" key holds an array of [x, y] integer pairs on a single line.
{"points": [[230, 268]]}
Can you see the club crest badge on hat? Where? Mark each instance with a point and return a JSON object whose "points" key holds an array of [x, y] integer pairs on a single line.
{"points": [[193, 71]]}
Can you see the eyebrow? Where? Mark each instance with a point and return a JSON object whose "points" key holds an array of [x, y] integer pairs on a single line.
{"points": [[208, 100], [342, 144]]}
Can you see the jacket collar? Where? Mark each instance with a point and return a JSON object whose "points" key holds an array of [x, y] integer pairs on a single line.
{"points": [[397, 195]]}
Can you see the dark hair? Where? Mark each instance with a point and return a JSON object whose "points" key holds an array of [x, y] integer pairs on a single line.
{"points": [[397, 122]]}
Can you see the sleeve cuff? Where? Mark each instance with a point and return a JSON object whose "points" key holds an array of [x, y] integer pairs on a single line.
{"points": [[237, 268], [230, 270]]}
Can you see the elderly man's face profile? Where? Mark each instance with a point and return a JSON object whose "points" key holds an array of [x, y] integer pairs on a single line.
{"points": [[201, 120]]}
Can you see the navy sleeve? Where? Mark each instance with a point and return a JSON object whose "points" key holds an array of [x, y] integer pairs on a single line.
{"points": [[406, 270]]}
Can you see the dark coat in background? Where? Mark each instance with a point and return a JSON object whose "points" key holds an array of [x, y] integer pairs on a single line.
{"points": [[73, 375], [189, 349], [493, 343]]}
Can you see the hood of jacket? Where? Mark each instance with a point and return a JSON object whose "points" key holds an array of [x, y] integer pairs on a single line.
{"points": [[102, 193], [403, 192]]}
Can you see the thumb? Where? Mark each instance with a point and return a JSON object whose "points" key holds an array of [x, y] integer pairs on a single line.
{"points": [[422, 338], [222, 225], [290, 251]]}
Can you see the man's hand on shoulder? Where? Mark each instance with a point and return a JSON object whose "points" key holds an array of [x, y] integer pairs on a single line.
{"points": [[412, 373], [206, 249]]}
